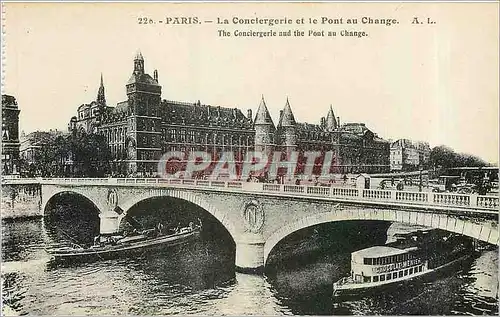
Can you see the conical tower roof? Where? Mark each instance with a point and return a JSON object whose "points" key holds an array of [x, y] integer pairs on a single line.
{"points": [[331, 121], [287, 119], [263, 117]]}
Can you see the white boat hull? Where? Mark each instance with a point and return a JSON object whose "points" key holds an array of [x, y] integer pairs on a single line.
{"points": [[353, 288]]}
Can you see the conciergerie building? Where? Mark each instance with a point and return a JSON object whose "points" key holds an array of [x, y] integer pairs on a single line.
{"points": [[142, 128]]}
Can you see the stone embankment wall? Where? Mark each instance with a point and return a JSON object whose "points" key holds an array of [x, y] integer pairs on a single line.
{"points": [[21, 201]]}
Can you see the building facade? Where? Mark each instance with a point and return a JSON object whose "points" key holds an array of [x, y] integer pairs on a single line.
{"points": [[407, 155], [30, 148], [10, 135], [143, 127]]}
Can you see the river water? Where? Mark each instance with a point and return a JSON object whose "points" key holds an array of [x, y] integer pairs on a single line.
{"points": [[200, 280]]}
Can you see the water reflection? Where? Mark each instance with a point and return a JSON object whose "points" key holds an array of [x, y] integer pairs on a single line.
{"points": [[200, 279]]}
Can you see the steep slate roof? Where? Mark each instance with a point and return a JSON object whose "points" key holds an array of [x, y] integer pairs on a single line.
{"points": [[175, 112], [287, 119], [142, 78], [303, 127], [262, 116], [331, 121], [357, 128]]}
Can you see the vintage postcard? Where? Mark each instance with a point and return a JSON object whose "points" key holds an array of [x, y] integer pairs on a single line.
{"points": [[250, 158]]}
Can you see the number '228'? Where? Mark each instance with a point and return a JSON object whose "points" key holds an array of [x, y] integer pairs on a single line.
{"points": [[145, 20]]}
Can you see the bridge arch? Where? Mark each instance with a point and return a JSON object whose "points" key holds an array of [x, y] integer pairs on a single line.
{"points": [[188, 196], [483, 232], [53, 194]]}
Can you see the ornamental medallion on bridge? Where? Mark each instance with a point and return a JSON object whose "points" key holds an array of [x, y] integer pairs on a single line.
{"points": [[253, 214], [112, 199]]}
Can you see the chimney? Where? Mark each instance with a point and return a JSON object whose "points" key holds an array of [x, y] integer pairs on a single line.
{"points": [[338, 122], [249, 114], [281, 113], [323, 122], [155, 74], [208, 111]]}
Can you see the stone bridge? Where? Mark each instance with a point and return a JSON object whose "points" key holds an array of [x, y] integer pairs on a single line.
{"points": [[259, 215]]}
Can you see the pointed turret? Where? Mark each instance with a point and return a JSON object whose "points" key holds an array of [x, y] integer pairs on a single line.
{"points": [[264, 128], [262, 117], [287, 119], [286, 128], [101, 97], [331, 122]]}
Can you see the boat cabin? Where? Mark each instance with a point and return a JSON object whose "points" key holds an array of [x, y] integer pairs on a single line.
{"points": [[382, 263]]}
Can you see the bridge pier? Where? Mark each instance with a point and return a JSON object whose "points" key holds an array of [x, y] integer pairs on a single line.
{"points": [[110, 223], [250, 256]]}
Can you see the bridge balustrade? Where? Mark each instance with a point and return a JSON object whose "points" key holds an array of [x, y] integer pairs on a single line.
{"points": [[344, 192], [202, 183], [451, 199], [421, 198], [377, 194], [271, 187], [217, 183], [293, 189], [412, 196], [323, 191], [487, 202], [234, 185]]}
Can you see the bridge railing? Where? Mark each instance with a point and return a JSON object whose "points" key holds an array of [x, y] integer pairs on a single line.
{"points": [[472, 201]]}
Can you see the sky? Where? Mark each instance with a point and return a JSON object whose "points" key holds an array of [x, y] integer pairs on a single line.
{"points": [[432, 82]]}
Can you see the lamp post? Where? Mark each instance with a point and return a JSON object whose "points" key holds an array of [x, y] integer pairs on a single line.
{"points": [[420, 179]]}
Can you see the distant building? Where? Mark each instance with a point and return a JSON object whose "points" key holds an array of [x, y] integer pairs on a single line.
{"points": [[424, 154], [143, 127], [407, 155], [32, 143], [10, 135]]}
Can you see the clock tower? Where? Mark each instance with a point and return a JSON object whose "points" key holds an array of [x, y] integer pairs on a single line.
{"points": [[143, 122]]}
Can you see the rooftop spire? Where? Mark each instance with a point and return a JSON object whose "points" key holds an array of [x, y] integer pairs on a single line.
{"points": [[287, 119], [263, 116], [138, 56], [138, 63], [331, 122], [101, 98]]}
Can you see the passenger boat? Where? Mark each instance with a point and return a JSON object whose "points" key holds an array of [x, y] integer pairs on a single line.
{"points": [[379, 266], [115, 247]]}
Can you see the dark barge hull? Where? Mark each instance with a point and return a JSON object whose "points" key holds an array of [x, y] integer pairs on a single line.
{"points": [[121, 250]]}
